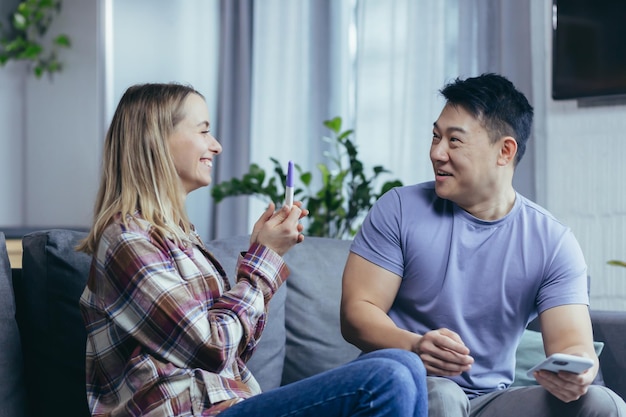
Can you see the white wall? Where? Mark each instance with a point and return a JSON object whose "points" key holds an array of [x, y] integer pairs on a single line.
{"points": [[580, 173], [62, 134], [49, 131], [12, 85]]}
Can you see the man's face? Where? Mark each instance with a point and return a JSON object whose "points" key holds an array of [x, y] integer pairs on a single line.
{"points": [[464, 160]]}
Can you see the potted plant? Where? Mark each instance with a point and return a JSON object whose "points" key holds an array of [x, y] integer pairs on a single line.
{"points": [[346, 193], [23, 39]]}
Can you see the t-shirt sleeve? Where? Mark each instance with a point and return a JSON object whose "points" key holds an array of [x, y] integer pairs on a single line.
{"points": [[379, 238], [566, 279]]}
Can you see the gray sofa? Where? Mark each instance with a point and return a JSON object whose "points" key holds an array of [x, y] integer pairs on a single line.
{"points": [[42, 338]]}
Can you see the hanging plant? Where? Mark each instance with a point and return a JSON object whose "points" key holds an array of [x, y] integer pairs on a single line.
{"points": [[23, 39]]}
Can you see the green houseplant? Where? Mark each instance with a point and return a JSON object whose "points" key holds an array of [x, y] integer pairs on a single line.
{"points": [[337, 207], [23, 39], [617, 263]]}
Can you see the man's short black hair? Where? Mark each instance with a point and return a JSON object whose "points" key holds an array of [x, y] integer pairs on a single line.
{"points": [[497, 104]]}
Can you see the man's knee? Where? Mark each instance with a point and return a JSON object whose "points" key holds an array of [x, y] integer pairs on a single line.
{"points": [[601, 401], [597, 402], [446, 398]]}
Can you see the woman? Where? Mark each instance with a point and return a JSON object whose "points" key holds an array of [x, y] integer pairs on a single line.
{"points": [[167, 335]]}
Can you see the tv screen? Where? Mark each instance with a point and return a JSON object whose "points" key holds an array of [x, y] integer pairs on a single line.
{"points": [[589, 48]]}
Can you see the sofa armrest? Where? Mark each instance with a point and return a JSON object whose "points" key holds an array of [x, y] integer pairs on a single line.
{"points": [[610, 327]]}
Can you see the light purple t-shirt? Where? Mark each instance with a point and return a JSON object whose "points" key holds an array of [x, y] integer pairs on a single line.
{"points": [[482, 279]]}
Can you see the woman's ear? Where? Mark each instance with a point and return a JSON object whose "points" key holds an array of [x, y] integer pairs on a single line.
{"points": [[507, 151]]}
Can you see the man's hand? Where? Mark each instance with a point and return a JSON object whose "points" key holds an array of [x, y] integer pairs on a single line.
{"points": [[567, 329], [443, 353], [566, 386]]}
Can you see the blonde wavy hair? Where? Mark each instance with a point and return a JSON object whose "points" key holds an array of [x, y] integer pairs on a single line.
{"points": [[138, 173]]}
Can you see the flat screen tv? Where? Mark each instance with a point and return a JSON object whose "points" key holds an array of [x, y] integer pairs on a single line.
{"points": [[589, 48]]}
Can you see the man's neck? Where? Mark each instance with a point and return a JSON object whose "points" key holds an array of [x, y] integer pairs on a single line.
{"points": [[494, 209]]}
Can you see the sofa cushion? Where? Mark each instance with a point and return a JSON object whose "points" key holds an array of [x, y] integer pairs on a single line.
{"points": [[11, 371], [530, 352], [266, 364], [53, 333], [314, 340], [608, 326]]}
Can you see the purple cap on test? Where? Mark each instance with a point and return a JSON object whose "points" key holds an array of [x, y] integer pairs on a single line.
{"points": [[290, 174]]}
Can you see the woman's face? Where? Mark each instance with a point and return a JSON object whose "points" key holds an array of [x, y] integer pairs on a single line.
{"points": [[192, 146]]}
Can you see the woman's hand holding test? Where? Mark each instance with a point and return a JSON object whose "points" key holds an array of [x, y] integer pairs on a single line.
{"points": [[279, 230]]}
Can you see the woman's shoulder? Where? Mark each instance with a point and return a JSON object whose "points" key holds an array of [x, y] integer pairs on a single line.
{"points": [[133, 230], [133, 225]]}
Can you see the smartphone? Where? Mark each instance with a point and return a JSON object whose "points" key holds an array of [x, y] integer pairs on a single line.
{"points": [[562, 362]]}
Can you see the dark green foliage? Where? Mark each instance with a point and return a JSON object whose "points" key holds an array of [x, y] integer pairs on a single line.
{"points": [[345, 195], [22, 40]]}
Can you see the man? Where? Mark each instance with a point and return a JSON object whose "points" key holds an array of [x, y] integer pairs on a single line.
{"points": [[454, 270]]}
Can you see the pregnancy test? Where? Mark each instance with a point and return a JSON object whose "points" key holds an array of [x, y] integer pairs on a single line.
{"points": [[289, 185]]}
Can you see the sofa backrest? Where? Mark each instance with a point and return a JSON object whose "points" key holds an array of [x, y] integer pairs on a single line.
{"points": [[314, 340], [11, 371], [53, 334], [304, 312], [302, 337]]}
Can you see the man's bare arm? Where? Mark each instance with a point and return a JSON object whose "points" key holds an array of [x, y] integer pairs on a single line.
{"points": [[567, 329], [368, 293]]}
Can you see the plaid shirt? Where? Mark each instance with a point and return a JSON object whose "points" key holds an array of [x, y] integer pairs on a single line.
{"points": [[167, 336]]}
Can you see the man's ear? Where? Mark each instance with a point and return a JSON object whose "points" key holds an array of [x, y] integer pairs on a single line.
{"points": [[508, 150]]}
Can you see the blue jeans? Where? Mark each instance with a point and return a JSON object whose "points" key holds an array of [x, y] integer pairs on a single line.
{"points": [[388, 382]]}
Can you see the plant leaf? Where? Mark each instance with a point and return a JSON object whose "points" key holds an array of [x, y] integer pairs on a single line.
{"points": [[19, 21], [63, 40], [334, 124], [617, 263]]}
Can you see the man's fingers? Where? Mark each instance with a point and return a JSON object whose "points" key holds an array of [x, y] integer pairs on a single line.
{"points": [[565, 387], [443, 353], [449, 334], [437, 366], [446, 339]]}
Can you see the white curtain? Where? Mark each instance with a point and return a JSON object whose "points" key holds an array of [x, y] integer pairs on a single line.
{"points": [[299, 80], [308, 67], [384, 82], [406, 53], [408, 50]]}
